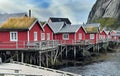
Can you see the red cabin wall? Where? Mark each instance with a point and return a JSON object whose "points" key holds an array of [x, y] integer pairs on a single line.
{"points": [[96, 36], [35, 28], [82, 32], [5, 36], [6, 43], [103, 34], [61, 40], [47, 29]]}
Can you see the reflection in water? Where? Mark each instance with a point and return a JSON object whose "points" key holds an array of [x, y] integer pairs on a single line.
{"points": [[106, 68]]}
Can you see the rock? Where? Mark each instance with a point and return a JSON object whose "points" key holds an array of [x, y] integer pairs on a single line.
{"points": [[105, 8]]}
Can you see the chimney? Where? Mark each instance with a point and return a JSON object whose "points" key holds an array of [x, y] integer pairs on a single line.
{"points": [[29, 13]]}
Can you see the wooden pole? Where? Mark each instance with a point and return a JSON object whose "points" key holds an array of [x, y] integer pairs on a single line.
{"points": [[61, 52], [74, 52], [40, 58], [47, 59], [22, 57], [66, 52], [17, 55]]}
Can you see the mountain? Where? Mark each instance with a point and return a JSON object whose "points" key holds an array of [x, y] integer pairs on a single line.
{"points": [[105, 10]]}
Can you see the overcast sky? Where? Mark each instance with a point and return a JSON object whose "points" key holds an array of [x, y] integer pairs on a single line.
{"points": [[76, 10]]}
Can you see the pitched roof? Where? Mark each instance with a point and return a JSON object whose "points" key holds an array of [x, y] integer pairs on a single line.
{"points": [[18, 23], [56, 26], [4, 17], [91, 29], [53, 19], [93, 24], [70, 29]]}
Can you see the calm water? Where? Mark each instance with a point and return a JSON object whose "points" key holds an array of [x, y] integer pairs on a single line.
{"points": [[106, 68]]}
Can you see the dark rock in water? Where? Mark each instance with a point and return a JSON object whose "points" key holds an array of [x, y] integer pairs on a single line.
{"points": [[105, 8]]}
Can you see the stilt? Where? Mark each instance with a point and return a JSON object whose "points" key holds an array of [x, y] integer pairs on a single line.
{"points": [[74, 52], [47, 59], [40, 58], [66, 52], [22, 57], [61, 53], [17, 55]]}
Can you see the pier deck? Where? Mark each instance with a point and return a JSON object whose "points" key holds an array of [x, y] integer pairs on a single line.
{"points": [[23, 69]]}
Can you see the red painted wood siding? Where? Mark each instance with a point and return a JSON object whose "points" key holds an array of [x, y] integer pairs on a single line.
{"points": [[5, 36], [60, 38], [82, 32], [5, 39], [103, 34], [114, 37], [35, 28], [47, 29], [96, 37]]}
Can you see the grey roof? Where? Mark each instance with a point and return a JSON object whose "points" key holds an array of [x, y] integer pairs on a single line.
{"points": [[55, 19], [4, 17], [56, 26], [70, 29]]}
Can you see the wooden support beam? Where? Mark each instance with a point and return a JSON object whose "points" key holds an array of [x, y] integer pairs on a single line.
{"points": [[66, 52], [22, 57], [17, 56], [74, 52], [40, 59], [47, 59], [61, 53]]}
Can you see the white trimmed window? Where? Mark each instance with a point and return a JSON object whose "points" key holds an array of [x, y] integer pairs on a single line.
{"points": [[80, 36], [91, 36], [13, 36], [48, 36], [42, 36], [65, 36], [35, 36]]}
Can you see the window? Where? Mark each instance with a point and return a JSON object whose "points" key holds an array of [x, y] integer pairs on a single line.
{"points": [[13, 36], [48, 36], [91, 36], [80, 36], [42, 36], [35, 36], [65, 36]]}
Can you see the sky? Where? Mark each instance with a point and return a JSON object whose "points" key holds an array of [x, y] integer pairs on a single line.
{"points": [[76, 10]]}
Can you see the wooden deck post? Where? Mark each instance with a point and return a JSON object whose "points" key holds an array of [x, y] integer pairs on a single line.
{"points": [[22, 57], [61, 53], [74, 52], [40, 59], [66, 52], [17, 55], [47, 59]]}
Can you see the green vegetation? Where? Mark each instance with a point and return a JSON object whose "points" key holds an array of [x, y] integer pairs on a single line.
{"points": [[109, 23], [18, 23]]}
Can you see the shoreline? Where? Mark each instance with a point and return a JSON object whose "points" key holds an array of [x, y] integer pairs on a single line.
{"points": [[96, 59]]}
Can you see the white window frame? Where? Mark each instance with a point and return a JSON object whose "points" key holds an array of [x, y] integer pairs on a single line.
{"points": [[42, 36], [80, 36], [48, 36], [13, 36], [65, 38], [92, 36], [35, 36]]}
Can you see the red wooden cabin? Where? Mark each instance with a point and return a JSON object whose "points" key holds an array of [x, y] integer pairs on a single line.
{"points": [[17, 32], [115, 35], [48, 32], [92, 34]]}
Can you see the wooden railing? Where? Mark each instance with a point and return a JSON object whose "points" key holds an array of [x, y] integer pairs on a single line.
{"points": [[29, 45], [47, 44]]}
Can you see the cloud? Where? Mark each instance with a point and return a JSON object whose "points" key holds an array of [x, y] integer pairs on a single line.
{"points": [[76, 10]]}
